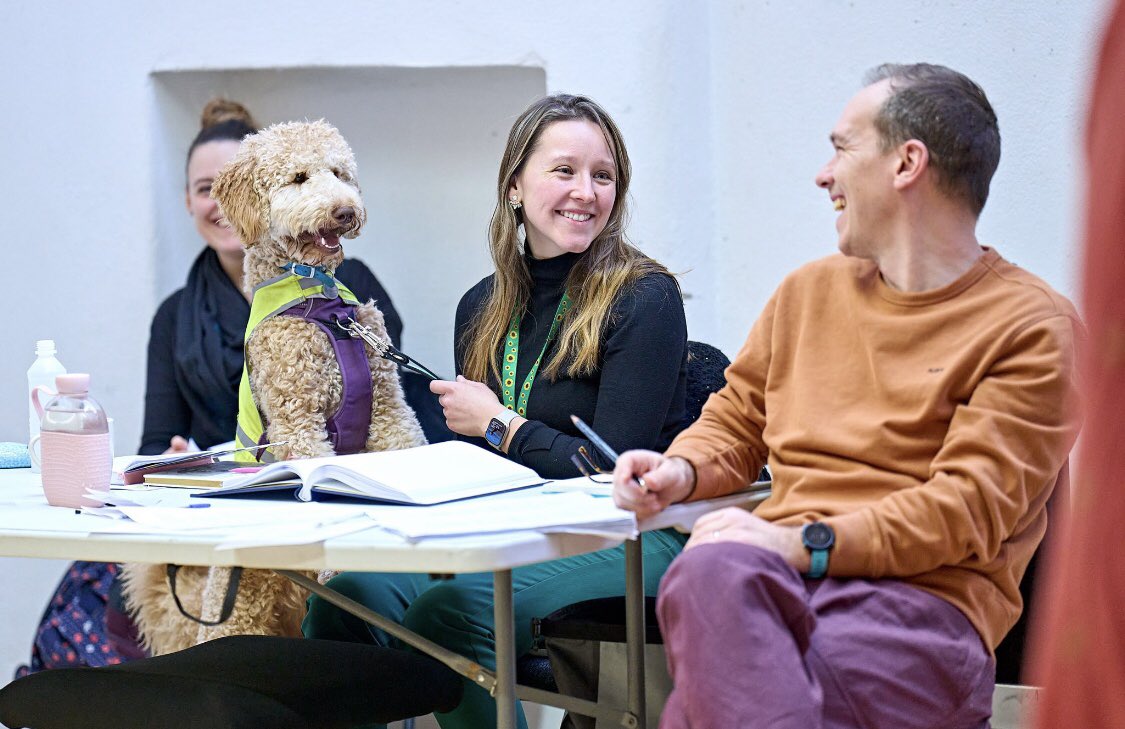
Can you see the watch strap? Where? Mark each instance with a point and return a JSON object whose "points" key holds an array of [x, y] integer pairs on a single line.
{"points": [[818, 564], [506, 417]]}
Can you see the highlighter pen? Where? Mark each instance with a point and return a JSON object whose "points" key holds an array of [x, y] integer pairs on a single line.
{"points": [[602, 446]]}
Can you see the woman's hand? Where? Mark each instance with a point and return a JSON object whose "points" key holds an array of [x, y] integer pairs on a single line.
{"points": [[468, 405]]}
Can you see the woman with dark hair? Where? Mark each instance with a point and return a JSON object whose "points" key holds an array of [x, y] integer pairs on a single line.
{"points": [[575, 320]]}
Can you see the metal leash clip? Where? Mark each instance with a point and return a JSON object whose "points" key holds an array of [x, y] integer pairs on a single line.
{"points": [[383, 347]]}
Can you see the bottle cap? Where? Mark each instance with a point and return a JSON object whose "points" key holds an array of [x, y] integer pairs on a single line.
{"points": [[45, 348], [73, 384]]}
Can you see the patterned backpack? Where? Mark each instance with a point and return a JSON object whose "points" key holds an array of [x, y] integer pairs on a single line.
{"points": [[81, 626]]}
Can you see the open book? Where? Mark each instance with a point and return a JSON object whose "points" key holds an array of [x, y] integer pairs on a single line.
{"points": [[429, 474]]}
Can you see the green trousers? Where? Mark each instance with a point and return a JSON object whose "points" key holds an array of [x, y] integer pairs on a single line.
{"points": [[457, 613]]}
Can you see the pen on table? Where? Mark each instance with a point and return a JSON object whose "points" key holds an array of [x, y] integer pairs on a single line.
{"points": [[604, 447], [186, 506]]}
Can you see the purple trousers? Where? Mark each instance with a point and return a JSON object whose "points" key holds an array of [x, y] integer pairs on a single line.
{"points": [[752, 644]]}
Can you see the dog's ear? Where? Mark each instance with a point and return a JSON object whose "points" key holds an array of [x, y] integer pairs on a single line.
{"points": [[240, 197]]}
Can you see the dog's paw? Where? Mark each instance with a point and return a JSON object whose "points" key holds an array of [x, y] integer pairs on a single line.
{"points": [[325, 575]]}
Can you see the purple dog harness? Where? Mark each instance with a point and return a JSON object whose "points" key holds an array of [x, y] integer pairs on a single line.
{"points": [[349, 425]]}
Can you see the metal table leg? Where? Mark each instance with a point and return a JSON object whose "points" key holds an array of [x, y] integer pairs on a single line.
{"points": [[635, 629], [469, 669], [504, 630]]}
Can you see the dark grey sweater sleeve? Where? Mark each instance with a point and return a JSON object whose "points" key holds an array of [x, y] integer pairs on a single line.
{"points": [[166, 412]]}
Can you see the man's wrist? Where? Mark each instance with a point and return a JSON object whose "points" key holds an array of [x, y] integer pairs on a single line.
{"points": [[688, 474], [796, 554]]}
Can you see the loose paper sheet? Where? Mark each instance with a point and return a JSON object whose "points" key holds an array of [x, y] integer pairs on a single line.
{"points": [[544, 509]]}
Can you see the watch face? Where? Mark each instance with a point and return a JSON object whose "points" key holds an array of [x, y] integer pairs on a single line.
{"points": [[494, 433], [818, 536]]}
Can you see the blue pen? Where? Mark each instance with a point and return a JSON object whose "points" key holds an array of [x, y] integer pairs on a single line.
{"points": [[188, 506]]}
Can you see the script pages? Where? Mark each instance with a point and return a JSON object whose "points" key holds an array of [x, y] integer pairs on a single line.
{"points": [[429, 474]]}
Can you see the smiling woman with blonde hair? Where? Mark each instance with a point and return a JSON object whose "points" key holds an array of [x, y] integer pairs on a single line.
{"points": [[610, 263], [575, 320], [605, 319]]}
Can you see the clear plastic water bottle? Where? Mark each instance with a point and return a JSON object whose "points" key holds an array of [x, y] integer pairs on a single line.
{"points": [[74, 443], [41, 373]]}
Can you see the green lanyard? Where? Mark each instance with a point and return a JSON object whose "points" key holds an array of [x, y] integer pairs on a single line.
{"points": [[512, 353]]}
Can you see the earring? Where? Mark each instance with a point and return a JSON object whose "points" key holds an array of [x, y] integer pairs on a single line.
{"points": [[515, 203]]}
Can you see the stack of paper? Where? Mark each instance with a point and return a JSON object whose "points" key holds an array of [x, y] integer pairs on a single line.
{"points": [[543, 509]]}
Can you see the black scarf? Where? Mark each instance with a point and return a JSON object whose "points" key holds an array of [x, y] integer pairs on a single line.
{"points": [[210, 324]]}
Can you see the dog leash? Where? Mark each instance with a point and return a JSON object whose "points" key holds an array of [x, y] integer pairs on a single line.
{"points": [[382, 347]]}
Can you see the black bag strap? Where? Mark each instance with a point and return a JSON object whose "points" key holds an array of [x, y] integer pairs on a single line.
{"points": [[228, 599]]}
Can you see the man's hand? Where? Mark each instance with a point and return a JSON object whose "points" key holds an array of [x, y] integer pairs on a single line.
{"points": [[667, 481], [738, 525], [177, 445]]}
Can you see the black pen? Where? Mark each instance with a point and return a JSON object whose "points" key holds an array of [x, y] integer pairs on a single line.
{"points": [[602, 446]]}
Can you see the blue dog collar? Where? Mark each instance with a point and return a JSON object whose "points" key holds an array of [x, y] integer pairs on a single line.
{"points": [[320, 273]]}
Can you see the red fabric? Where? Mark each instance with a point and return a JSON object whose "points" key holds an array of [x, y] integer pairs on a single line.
{"points": [[1080, 651]]}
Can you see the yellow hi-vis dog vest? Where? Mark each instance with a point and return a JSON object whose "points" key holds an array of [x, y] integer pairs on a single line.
{"points": [[271, 298]]}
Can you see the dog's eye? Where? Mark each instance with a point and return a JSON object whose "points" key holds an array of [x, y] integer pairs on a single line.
{"points": [[300, 178], [338, 173]]}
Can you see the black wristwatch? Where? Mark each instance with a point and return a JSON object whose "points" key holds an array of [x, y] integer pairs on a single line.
{"points": [[498, 428], [818, 538]]}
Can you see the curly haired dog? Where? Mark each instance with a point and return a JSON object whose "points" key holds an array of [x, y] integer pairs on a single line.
{"points": [[291, 194]]}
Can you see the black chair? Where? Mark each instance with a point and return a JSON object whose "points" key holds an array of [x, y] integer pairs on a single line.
{"points": [[1010, 652], [239, 682]]}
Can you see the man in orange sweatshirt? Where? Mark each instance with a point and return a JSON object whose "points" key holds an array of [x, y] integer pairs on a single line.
{"points": [[915, 400]]}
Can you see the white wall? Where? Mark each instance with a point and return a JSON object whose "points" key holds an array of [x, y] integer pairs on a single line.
{"points": [[725, 107]]}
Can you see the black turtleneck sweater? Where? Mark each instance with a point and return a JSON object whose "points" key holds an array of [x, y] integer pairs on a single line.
{"points": [[635, 399]]}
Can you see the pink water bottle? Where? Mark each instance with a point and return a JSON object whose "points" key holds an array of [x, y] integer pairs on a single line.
{"points": [[74, 449]]}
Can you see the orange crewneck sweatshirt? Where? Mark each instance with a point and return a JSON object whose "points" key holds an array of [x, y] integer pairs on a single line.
{"points": [[926, 428]]}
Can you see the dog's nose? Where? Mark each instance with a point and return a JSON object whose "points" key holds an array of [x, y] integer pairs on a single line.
{"points": [[344, 215]]}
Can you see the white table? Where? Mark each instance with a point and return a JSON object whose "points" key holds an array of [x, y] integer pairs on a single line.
{"points": [[374, 550]]}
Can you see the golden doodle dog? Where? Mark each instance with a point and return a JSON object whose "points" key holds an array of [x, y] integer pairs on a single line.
{"points": [[291, 194]]}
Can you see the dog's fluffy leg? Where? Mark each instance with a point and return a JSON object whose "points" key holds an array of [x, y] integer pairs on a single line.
{"points": [[148, 598], [393, 423], [267, 604]]}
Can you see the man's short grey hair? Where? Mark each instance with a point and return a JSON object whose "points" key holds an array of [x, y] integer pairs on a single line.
{"points": [[949, 113]]}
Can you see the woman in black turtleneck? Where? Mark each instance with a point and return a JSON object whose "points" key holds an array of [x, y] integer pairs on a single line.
{"points": [[601, 335], [636, 394]]}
